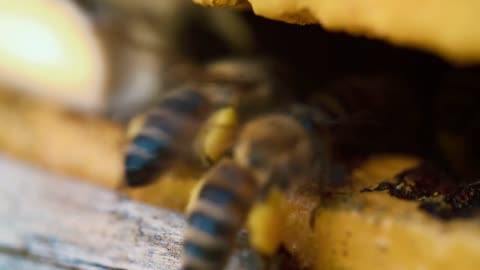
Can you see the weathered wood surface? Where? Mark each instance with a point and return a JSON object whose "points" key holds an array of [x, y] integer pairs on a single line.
{"points": [[48, 222]]}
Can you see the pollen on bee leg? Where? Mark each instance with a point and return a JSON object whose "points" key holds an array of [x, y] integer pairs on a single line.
{"points": [[219, 134], [265, 223]]}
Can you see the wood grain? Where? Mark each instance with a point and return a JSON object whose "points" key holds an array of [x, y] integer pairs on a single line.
{"points": [[57, 224]]}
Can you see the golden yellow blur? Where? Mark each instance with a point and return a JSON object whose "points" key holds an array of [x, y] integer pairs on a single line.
{"points": [[377, 231], [218, 134], [171, 190], [448, 28], [135, 125], [49, 49], [50, 136], [265, 223], [84, 147]]}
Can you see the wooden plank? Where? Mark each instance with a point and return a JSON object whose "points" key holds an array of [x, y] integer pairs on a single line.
{"points": [[72, 224], [14, 263]]}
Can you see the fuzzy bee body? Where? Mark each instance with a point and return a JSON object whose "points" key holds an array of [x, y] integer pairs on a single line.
{"points": [[170, 130], [271, 151], [166, 129]]}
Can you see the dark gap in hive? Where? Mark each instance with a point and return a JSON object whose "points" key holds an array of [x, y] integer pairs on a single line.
{"points": [[413, 99]]}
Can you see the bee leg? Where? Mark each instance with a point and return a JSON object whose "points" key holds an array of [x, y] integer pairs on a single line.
{"points": [[253, 260], [276, 261], [250, 259], [265, 225], [209, 161], [313, 216], [247, 257]]}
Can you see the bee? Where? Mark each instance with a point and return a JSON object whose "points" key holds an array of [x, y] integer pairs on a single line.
{"points": [[215, 122], [271, 151], [195, 123]]}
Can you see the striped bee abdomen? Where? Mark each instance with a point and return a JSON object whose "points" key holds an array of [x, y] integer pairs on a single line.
{"points": [[216, 217], [166, 131]]}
